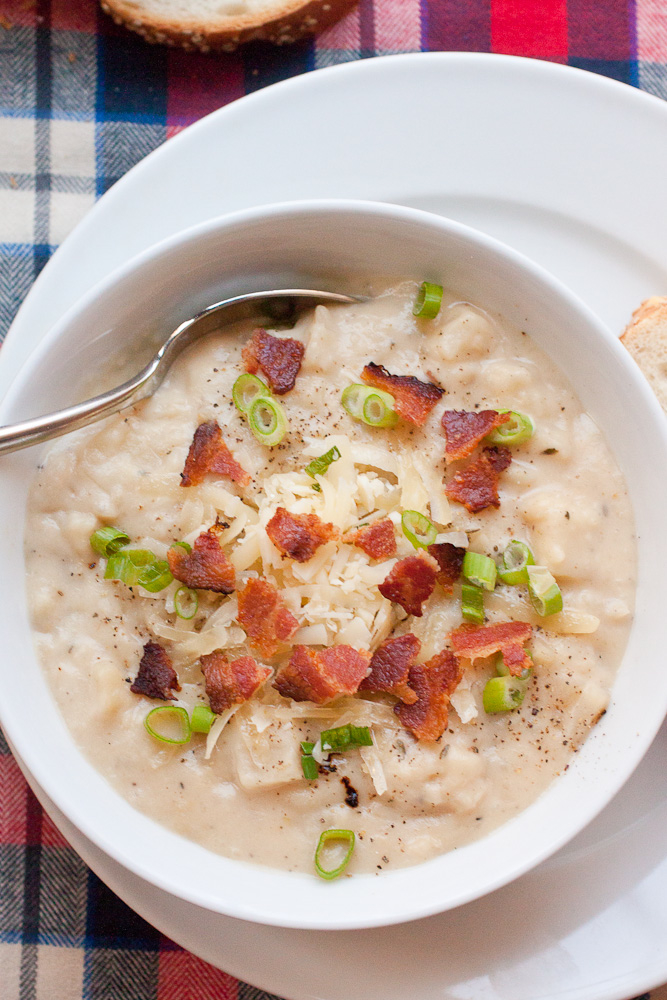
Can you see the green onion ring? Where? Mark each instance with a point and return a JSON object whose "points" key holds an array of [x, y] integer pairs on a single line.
{"points": [[518, 429], [267, 420], [186, 603], [310, 767], [373, 407], [472, 603], [516, 559], [544, 592], [307, 747], [202, 719], [480, 570], [247, 389], [347, 737], [319, 466], [346, 836], [108, 541], [167, 714], [428, 301], [504, 694], [418, 529], [139, 567], [182, 545]]}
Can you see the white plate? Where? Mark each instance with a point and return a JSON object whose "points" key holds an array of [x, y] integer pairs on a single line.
{"points": [[569, 168]]}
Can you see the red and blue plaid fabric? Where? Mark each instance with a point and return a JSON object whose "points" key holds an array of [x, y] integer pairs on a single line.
{"points": [[75, 115]]}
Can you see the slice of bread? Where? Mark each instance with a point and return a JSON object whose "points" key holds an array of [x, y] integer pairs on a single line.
{"points": [[646, 339], [210, 25]]}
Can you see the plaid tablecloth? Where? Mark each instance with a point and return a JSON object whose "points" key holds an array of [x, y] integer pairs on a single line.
{"points": [[81, 101]]}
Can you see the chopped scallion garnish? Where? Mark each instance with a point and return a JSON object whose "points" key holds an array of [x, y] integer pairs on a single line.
{"points": [[108, 540], [503, 694], [309, 767], [516, 559], [372, 406], [307, 747], [267, 420], [347, 737], [418, 529], [326, 837], [503, 670], [139, 567], [182, 545], [472, 603], [319, 466], [518, 429], [544, 592], [202, 719], [169, 724], [186, 602], [428, 301], [480, 570], [247, 389]]}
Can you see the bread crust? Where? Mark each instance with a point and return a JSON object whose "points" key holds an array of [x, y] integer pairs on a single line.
{"points": [[645, 337], [289, 21]]}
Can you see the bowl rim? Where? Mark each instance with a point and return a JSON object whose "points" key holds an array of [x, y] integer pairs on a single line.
{"points": [[242, 908]]}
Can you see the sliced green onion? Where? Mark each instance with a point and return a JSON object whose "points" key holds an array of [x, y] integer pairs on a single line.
{"points": [[172, 722], [480, 570], [108, 540], [267, 420], [186, 602], [518, 429], [472, 603], [247, 389], [343, 836], [309, 767], [347, 737], [418, 529], [544, 592], [503, 694], [503, 670], [428, 301], [139, 567], [202, 719], [306, 747], [372, 406], [319, 466], [182, 545], [516, 559]]}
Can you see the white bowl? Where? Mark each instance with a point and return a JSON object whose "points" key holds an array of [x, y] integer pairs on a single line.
{"points": [[336, 245]]}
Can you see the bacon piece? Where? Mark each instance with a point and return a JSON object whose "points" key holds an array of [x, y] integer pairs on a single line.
{"points": [[377, 539], [264, 617], [414, 399], [209, 453], [390, 667], [410, 583], [279, 358], [206, 567], [450, 562], [299, 536], [476, 486], [319, 677], [507, 638], [156, 678], [433, 683], [464, 429], [232, 683]]}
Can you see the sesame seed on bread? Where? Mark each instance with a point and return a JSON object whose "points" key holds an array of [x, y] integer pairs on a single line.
{"points": [[645, 337], [222, 25]]}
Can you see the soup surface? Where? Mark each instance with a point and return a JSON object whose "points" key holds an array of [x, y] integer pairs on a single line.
{"points": [[421, 788]]}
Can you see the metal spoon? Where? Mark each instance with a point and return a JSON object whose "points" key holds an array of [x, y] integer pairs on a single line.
{"points": [[285, 304]]}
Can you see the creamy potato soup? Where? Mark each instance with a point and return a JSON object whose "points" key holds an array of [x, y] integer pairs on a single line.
{"points": [[292, 597]]}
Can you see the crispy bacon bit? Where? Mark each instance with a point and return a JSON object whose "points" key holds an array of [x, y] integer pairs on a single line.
{"points": [[377, 539], [390, 667], [319, 677], [279, 358], [206, 567], [232, 683], [433, 683], [156, 678], [264, 617], [507, 638], [299, 536], [414, 399], [450, 562], [464, 429], [209, 453], [476, 486], [410, 583]]}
